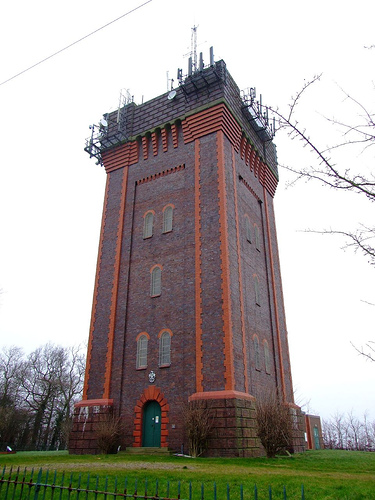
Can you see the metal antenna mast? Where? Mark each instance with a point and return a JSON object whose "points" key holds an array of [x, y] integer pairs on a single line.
{"points": [[193, 53]]}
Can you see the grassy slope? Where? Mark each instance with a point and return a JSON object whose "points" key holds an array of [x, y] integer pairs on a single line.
{"points": [[326, 474]]}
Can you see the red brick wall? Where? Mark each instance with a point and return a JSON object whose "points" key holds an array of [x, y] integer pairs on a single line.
{"points": [[207, 168], [87, 415]]}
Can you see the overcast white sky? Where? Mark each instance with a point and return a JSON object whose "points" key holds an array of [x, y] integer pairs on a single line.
{"points": [[51, 193]]}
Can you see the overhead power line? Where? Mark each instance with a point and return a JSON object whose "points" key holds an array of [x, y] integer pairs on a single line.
{"points": [[74, 43]]}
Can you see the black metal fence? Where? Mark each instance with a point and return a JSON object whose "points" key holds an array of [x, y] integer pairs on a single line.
{"points": [[17, 484]]}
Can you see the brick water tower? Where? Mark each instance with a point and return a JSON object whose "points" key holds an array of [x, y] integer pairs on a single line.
{"points": [[188, 304]]}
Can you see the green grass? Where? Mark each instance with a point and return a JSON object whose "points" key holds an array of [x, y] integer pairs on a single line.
{"points": [[325, 474]]}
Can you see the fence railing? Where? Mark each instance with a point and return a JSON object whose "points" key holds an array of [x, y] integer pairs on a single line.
{"points": [[43, 485]]}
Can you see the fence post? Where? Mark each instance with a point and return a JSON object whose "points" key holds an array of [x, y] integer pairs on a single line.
{"points": [[62, 485], [70, 487], [126, 487], [87, 485], [23, 481], [79, 485], [8, 482], [96, 487], [15, 482], [45, 485], [270, 492], [105, 487], [302, 493], [255, 492], [37, 484]]}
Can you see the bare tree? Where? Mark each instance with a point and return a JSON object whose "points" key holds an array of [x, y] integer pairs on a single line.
{"points": [[335, 166], [41, 391], [11, 363], [354, 432], [369, 436], [329, 435], [347, 432], [324, 169], [37, 395], [12, 416], [53, 378], [368, 351], [70, 375]]}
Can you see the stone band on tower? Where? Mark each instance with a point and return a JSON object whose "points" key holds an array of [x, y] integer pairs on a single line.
{"points": [[188, 302]]}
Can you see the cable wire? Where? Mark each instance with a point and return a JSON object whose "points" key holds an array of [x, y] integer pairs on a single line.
{"points": [[74, 43]]}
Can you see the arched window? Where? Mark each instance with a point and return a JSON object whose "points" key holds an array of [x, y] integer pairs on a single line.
{"points": [[165, 349], [267, 356], [256, 352], [155, 281], [148, 225], [256, 290], [248, 228], [142, 342], [167, 219], [257, 237]]}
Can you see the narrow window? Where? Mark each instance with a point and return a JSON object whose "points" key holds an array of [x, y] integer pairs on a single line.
{"points": [[256, 352], [148, 225], [248, 228], [267, 356], [168, 219], [165, 349], [142, 343], [256, 289], [155, 281], [257, 237]]}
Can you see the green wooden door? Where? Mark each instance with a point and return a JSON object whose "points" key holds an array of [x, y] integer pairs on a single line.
{"points": [[316, 438], [151, 425]]}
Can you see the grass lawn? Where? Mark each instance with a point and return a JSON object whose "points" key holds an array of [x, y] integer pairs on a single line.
{"points": [[325, 474]]}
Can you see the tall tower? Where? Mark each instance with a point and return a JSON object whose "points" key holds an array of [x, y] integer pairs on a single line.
{"points": [[188, 303]]}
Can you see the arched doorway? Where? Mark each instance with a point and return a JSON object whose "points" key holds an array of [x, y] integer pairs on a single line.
{"points": [[151, 435], [150, 394]]}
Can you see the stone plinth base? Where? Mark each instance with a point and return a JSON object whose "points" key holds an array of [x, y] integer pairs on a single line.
{"points": [[87, 415], [233, 424], [233, 431]]}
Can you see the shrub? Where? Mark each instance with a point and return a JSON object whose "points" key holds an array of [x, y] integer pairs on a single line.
{"points": [[108, 434], [198, 424], [274, 424]]}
